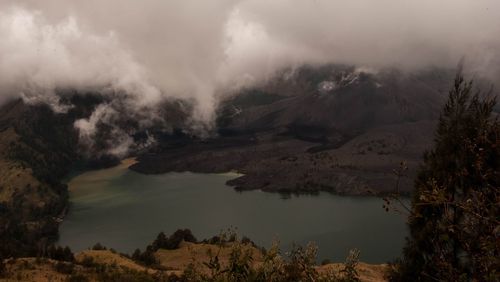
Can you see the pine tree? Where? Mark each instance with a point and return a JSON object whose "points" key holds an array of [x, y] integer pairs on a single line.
{"points": [[454, 221]]}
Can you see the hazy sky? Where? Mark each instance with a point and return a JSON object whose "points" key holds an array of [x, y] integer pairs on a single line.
{"points": [[151, 49]]}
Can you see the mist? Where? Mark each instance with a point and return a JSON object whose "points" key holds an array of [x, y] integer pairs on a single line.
{"points": [[142, 52]]}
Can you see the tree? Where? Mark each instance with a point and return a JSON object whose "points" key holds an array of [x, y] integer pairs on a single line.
{"points": [[454, 217], [160, 242], [98, 247], [136, 255], [2, 268]]}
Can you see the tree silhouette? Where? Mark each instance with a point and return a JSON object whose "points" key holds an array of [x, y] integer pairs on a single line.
{"points": [[454, 218]]}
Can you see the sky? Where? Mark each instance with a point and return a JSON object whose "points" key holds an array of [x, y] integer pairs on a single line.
{"points": [[142, 52]]}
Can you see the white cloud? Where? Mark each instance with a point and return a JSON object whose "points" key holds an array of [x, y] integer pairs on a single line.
{"points": [[144, 51]]}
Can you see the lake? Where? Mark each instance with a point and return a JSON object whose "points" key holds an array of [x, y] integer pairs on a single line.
{"points": [[125, 210]]}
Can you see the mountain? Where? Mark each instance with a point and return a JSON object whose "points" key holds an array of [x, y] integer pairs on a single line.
{"points": [[339, 99], [35, 148], [331, 128], [38, 148]]}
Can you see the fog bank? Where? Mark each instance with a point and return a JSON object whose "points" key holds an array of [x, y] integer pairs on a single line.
{"points": [[142, 52]]}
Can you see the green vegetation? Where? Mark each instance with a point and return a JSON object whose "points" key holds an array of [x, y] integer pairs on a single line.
{"points": [[173, 241], [37, 148], [161, 242], [454, 217], [299, 264]]}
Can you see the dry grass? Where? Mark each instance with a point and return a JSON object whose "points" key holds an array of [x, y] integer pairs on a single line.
{"points": [[31, 269], [367, 272], [188, 253], [109, 258]]}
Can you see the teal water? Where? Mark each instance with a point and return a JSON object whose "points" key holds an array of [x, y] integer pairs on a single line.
{"points": [[125, 210]]}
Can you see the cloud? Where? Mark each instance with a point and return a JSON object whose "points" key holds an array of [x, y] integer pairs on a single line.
{"points": [[142, 52], [37, 58], [404, 34]]}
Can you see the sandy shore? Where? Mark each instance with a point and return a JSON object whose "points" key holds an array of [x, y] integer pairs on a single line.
{"points": [[100, 174], [128, 162]]}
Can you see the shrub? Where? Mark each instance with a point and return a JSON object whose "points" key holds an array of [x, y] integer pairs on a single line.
{"points": [[78, 278], [98, 247], [64, 268], [172, 242], [3, 268], [88, 261], [60, 253]]}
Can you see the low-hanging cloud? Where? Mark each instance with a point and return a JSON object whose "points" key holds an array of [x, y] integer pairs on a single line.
{"points": [[145, 51]]}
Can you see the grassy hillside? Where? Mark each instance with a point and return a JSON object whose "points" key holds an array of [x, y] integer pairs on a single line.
{"points": [[172, 265], [37, 148]]}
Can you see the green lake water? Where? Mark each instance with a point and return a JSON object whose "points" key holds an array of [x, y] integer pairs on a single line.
{"points": [[125, 210]]}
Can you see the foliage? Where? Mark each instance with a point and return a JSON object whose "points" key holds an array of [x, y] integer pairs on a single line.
{"points": [[454, 218], [64, 267], [2, 268], [299, 264], [172, 242], [162, 242], [273, 267], [349, 271], [78, 278], [110, 273], [98, 247], [88, 261], [147, 257], [60, 253]]}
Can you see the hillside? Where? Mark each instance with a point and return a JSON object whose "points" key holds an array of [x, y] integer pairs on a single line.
{"points": [[331, 128], [38, 147], [35, 151], [106, 265]]}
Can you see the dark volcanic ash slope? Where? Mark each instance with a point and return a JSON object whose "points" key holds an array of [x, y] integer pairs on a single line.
{"points": [[332, 128], [345, 100]]}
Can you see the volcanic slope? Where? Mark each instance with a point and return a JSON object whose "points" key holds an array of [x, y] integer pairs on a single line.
{"points": [[332, 128]]}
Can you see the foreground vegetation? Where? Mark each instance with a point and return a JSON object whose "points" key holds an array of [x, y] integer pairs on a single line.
{"points": [[221, 258], [454, 217]]}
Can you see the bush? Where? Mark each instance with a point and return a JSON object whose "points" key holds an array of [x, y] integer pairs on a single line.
{"points": [[88, 261], [64, 268], [298, 265], [172, 242], [349, 271], [78, 278], [60, 253], [3, 269], [98, 247], [147, 257]]}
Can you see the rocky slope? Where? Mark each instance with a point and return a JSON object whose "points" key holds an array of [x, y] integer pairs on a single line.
{"points": [[331, 128]]}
